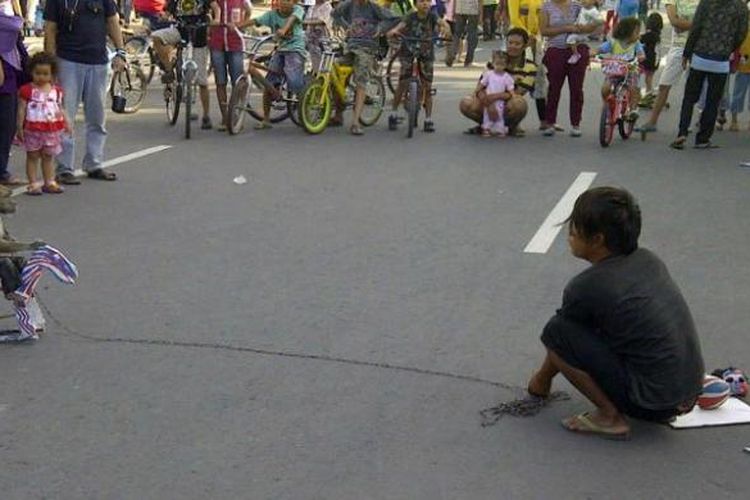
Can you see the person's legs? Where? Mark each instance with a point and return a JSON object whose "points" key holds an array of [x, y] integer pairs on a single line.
{"points": [[219, 64], [587, 362], [739, 95], [94, 96], [693, 88], [515, 111], [556, 63], [8, 110], [716, 84], [71, 78], [459, 22], [576, 75], [201, 58], [471, 108], [32, 169], [472, 38]]}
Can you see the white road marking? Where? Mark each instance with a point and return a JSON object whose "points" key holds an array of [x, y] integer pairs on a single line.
{"points": [[114, 161], [545, 236]]}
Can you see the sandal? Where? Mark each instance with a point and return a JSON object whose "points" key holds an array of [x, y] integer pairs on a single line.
{"points": [[68, 178], [34, 189], [356, 130], [678, 143], [101, 175], [706, 145], [583, 424], [11, 180], [263, 126], [53, 188]]}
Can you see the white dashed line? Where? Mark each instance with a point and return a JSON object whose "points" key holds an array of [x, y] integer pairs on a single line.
{"points": [[545, 236]]}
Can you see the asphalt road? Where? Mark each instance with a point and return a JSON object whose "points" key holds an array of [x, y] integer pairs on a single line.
{"points": [[224, 316]]}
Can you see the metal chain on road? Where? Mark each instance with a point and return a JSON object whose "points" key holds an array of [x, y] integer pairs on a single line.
{"points": [[524, 407]]}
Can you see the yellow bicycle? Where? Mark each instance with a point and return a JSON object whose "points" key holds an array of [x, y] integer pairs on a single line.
{"points": [[316, 102]]}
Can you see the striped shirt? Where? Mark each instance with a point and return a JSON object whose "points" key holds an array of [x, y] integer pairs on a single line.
{"points": [[556, 16], [524, 76]]}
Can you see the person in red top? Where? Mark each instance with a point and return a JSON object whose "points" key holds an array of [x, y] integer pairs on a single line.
{"points": [[41, 123], [225, 43], [151, 11]]}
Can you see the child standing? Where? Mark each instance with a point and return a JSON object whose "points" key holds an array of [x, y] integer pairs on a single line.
{"points": [[741, 82], [498, 88], [318, 26], [421, 25], [650, 41], [589, 15], [225, 44], [41, 122]]}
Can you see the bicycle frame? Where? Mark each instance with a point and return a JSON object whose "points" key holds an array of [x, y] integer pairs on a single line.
{"points": [[334, 75]]}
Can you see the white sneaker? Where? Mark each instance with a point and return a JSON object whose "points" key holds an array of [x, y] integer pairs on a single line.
{"points": [[575, 132]]}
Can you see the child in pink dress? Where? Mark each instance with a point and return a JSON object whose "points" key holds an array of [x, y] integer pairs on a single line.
{"points": [[498, 88], [41, 123]]}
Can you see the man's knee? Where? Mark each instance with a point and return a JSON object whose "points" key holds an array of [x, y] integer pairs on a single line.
{"points": [[515, 110], [471, 108]]}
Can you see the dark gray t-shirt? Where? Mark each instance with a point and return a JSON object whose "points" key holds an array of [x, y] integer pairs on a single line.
{"points": [[632, 302]]}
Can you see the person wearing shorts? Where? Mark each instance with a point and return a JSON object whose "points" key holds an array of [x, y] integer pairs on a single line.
{"points": [[624, 336], [421, 24], [680, 13], [186, 12], [288, 62], [226, 45], [363, 20]]}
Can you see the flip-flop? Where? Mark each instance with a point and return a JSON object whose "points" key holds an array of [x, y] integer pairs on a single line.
{"points": [[678, 144], [706, 145], [263, 126], [584, 425], [101, 175]]}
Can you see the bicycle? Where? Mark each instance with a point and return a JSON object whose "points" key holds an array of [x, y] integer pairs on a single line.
{"points": [[243, 100], [415, 95], [615, 108], [182, 88], [334, 79], [133, 86]]}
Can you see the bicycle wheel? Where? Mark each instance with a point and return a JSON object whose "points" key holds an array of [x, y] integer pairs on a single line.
{"points": [[279, 108], [625, 126], [392, 72], [172, 101], [606, 125], [413, 107], [374, 103], [188, 106], [315, 107], [237, 106], [139, 53], [135, 92]]}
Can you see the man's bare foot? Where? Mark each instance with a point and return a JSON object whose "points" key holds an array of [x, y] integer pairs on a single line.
{"points": [[595, 422], [539, 386]]}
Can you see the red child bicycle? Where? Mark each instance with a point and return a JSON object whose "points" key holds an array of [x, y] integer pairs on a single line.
{"points": [[616, 106]]}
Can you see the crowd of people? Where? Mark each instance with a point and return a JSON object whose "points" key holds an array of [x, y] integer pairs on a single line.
{"points": [[544, 45]]}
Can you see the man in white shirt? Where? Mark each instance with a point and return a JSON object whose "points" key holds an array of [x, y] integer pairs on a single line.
{"points": [[680, 13]]}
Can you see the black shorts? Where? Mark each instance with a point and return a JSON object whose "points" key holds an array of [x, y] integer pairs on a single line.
{"points": [[583, 349]]}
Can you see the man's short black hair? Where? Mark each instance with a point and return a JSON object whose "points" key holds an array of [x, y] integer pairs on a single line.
{"points": [[518, 32], [612, 212]]}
